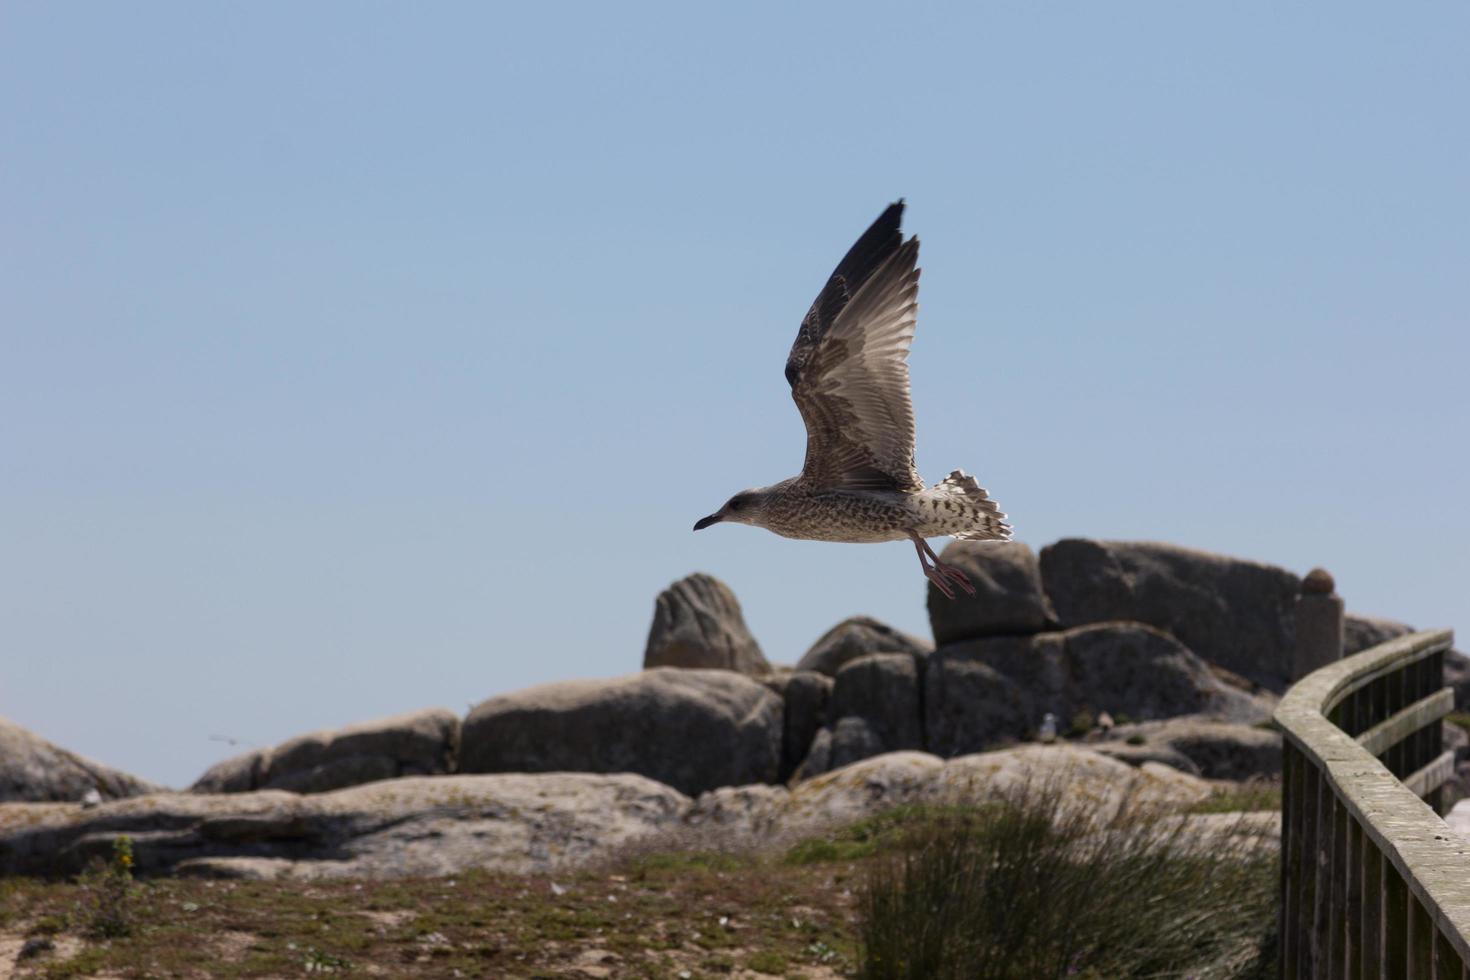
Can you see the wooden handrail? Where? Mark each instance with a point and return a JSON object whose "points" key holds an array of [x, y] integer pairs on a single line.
{"points": [[1373, 881]]}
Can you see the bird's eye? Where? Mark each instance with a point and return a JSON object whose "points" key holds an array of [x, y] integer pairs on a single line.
{"points": [[736, 503]]}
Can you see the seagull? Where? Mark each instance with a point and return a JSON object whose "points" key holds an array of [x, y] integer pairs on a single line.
{"points": [[849, 377]]}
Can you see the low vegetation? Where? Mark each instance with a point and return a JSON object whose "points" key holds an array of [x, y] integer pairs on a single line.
{"points": [[1024, 887], [1035, 888]]}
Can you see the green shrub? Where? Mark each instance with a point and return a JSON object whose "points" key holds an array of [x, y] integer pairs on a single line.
{"points": [[108, 891], [1038, 888]]}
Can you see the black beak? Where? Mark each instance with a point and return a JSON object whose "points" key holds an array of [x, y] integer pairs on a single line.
{"points": [[705, 522]]}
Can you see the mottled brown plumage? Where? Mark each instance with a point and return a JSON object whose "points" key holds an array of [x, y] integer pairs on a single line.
{"points": [[848, 371]]}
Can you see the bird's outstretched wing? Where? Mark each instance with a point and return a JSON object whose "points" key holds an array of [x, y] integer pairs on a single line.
{"points": [[849, 369]]}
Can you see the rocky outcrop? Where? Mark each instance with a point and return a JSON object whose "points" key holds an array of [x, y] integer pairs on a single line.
{"points": [[768, 815], [1213, 750], [804, 697], [411, 826], [874, 709], [1361, 632], [416, 743], [533, 823], [697, 623], [986, 692], [33, 769], [1237, 614], [1008, 593], [856, 637], [689, 729]]}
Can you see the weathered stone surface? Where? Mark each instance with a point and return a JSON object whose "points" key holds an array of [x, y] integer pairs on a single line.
{"points": [[1008, 594], [856, 637], [804, 696], [410, 826], [415, 743], [818, 758], [1457, 676], [776, 816], [1226, 751], [874, 709], [237, 774], [982, 693], [1238, 614], [535, 822], [1214, 750], [970, 705], [697, 622], [883, 690], [1137, 755], [690, 729], [852, 739], [1361, 632], [34, 769]]}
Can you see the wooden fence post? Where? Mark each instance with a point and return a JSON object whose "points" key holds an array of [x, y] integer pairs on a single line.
{"points": [[1318, 624]]}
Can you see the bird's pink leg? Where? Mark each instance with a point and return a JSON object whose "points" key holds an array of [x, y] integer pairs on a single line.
{"points": [[941, 570], [939, 573]]}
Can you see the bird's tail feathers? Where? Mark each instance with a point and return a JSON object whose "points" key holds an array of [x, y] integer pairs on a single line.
{"points": [[988, 523]]}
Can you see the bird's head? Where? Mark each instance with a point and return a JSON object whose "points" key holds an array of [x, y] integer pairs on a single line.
{"points": [[746, 507]]}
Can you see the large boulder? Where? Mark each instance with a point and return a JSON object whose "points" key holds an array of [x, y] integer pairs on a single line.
{"points": [[856, 637], [804, 696], [1214, 750], [986, 692], [1361, 632], [697, 622], [1008, 594], [874, 709], [776, 816], [419, 826], [690, 729], [882, 691], [1237, 614], [34, 769], [535, 823], [416, 743]]}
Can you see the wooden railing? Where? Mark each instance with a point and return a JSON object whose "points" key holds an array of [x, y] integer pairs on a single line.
{"points": [[1373, 883]]}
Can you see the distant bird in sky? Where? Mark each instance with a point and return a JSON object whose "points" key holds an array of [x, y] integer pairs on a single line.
{"points": [[849, 376]]}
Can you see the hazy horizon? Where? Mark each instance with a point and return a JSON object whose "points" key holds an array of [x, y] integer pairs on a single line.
{"points": [[357, 358]]}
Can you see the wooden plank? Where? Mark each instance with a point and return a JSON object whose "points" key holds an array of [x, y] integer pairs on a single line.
{"points": [[1381, 661], [1421, 942], [1322, 873], [1291, 773], [1402, 724], [1395, 924], [1446, 963], [1353, 911], [1425, 781], [1337, 902], [1372, 932], [1307, 869]]}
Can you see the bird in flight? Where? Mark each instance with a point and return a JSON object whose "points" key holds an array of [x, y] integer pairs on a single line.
{"points": [[849, 376]]}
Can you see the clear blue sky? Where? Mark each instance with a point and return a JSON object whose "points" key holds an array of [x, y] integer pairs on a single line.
{"points": [[362, 357]]}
